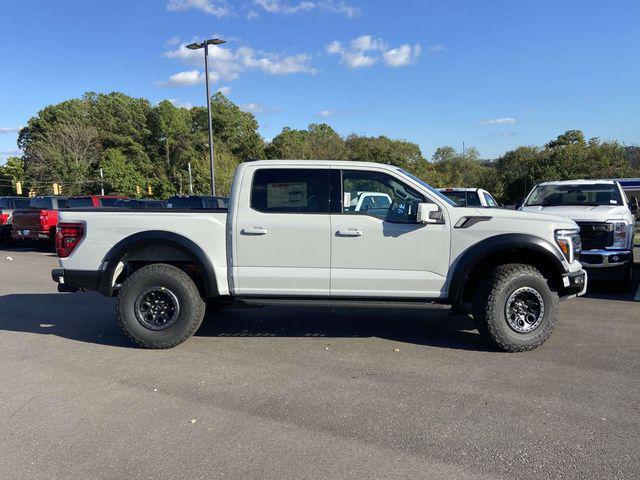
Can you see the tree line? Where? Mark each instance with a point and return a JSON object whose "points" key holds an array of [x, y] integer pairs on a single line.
{"points": [[145, 150]]}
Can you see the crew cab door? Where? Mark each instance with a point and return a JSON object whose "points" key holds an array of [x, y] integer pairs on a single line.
{"points": [[282, 232], [380, 250]]}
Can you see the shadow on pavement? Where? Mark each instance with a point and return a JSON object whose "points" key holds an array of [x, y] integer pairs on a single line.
{"points": [[89, 317], [422, 326], [611, 290]]}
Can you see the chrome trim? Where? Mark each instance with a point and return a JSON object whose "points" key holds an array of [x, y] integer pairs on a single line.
{"points": [[605, 257]]}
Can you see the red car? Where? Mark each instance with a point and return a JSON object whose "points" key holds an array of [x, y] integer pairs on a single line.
{"points": [[93, 201], [39, 221]]}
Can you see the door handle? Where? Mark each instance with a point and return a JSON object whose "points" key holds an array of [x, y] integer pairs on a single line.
{"points": [[254, 231], [350, 232]]}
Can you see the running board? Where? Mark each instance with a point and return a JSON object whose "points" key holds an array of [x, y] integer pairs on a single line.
{"points": [[339, 302]]}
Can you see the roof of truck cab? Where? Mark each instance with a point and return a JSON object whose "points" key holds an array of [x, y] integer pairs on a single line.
{"points": [[580, 182], [323, 163]]}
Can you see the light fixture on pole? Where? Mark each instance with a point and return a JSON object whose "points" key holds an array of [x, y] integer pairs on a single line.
{"points": [[205, 45]]}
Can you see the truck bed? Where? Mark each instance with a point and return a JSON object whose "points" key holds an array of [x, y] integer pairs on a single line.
{"points": [[105, 227]]}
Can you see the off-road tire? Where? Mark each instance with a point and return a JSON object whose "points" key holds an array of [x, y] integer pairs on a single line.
{"points": [[489, 308], [191, 306]]}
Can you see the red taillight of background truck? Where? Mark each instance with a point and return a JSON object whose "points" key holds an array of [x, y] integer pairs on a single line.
{"points": [[4, 218], [68, 236]]}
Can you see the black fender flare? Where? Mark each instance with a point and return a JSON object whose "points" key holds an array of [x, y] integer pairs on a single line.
{"points": [[157, 237], [473, 256]]}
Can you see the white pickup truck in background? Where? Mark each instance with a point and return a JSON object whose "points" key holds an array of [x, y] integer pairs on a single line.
{"points": [[606, 221], [293, 233]]}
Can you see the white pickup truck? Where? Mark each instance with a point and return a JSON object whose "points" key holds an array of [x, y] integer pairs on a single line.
{"points": [[606, 221], [291, 234]]}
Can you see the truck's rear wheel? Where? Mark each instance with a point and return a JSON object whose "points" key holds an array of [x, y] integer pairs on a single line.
{"points": [[515, 310], [159, 306]]}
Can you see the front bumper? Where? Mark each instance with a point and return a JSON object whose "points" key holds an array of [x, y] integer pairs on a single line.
{"points": [[605, 258], [574, 284]]}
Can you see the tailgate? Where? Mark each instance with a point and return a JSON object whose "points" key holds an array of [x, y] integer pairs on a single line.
{"points": [[26, 220]]}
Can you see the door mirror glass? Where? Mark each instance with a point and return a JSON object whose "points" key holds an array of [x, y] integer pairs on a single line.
{"points": [[633, 205], [428, 213]]}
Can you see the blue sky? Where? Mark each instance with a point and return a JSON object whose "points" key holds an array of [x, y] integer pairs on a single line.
{"points": [[494, 74]]}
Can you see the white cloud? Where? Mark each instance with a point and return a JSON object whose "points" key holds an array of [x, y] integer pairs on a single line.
{"points": [[180, 104], [499, 121], [218, 8], [10, 129], [183, 79], [225, 90], [326, 113], [257, 108], [365, 51], [227, 64], [435, 48], [252, 15], [289, 8], [402, 56]]}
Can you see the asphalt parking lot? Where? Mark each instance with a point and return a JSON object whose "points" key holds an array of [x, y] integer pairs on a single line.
{"points": [[273, 393]]}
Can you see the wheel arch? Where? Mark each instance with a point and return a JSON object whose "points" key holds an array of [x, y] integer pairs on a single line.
{"points": [[165, 241], [498, 250]]}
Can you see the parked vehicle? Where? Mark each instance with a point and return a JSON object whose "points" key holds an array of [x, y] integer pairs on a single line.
{"points": [[606, 221], [289, 235], [93, 201], [39, 220], [197, 202], [137, 203], [7, 206], [470, 197]]}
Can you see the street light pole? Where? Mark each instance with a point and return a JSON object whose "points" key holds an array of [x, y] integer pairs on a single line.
{"points": [[205, 45]]}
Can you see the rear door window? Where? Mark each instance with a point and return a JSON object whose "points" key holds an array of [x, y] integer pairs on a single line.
{"points": [[290, 190]]}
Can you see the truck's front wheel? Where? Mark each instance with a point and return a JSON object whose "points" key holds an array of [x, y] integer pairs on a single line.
{"points": [[159, 306], [515, 310]]}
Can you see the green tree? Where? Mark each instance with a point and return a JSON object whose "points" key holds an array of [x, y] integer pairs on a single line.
{"points": [[120, 175], [11, 172], [236, 130]]}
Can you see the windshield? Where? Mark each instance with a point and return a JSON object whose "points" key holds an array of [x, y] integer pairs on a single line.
{"points": [[585, 194], [463, 198], [430, 188]]}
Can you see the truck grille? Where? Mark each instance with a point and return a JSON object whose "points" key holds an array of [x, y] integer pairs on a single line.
{"points": [[595, 235]]}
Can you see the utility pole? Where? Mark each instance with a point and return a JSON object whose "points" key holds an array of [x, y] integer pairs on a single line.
{"points": [[205, 45], [190, 179], [101, 182]]}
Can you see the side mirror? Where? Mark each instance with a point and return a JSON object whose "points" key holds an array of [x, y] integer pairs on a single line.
{"points": [[519, 203], [633, 205], [428, 213]]}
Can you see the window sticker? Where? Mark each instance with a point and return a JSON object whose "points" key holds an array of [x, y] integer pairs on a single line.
{"points": [[290, 194], [347, 199]]}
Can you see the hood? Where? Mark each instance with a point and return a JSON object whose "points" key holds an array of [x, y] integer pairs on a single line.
{"points": [[591, 213], [519, 216]]}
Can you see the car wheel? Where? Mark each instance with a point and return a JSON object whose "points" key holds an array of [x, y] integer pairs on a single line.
{"points": [[159, 306], [515, 310]]}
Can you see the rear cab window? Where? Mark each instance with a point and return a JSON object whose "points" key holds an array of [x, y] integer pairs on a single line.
{"points": [[80, 202]]}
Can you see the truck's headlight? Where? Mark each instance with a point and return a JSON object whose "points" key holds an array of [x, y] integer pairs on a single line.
{"points": [[621, 233], [569, 243]]}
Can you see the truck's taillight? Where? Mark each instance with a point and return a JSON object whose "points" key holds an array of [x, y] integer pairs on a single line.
{"points": [[44, 219], [68, 236], [4, 218]]}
